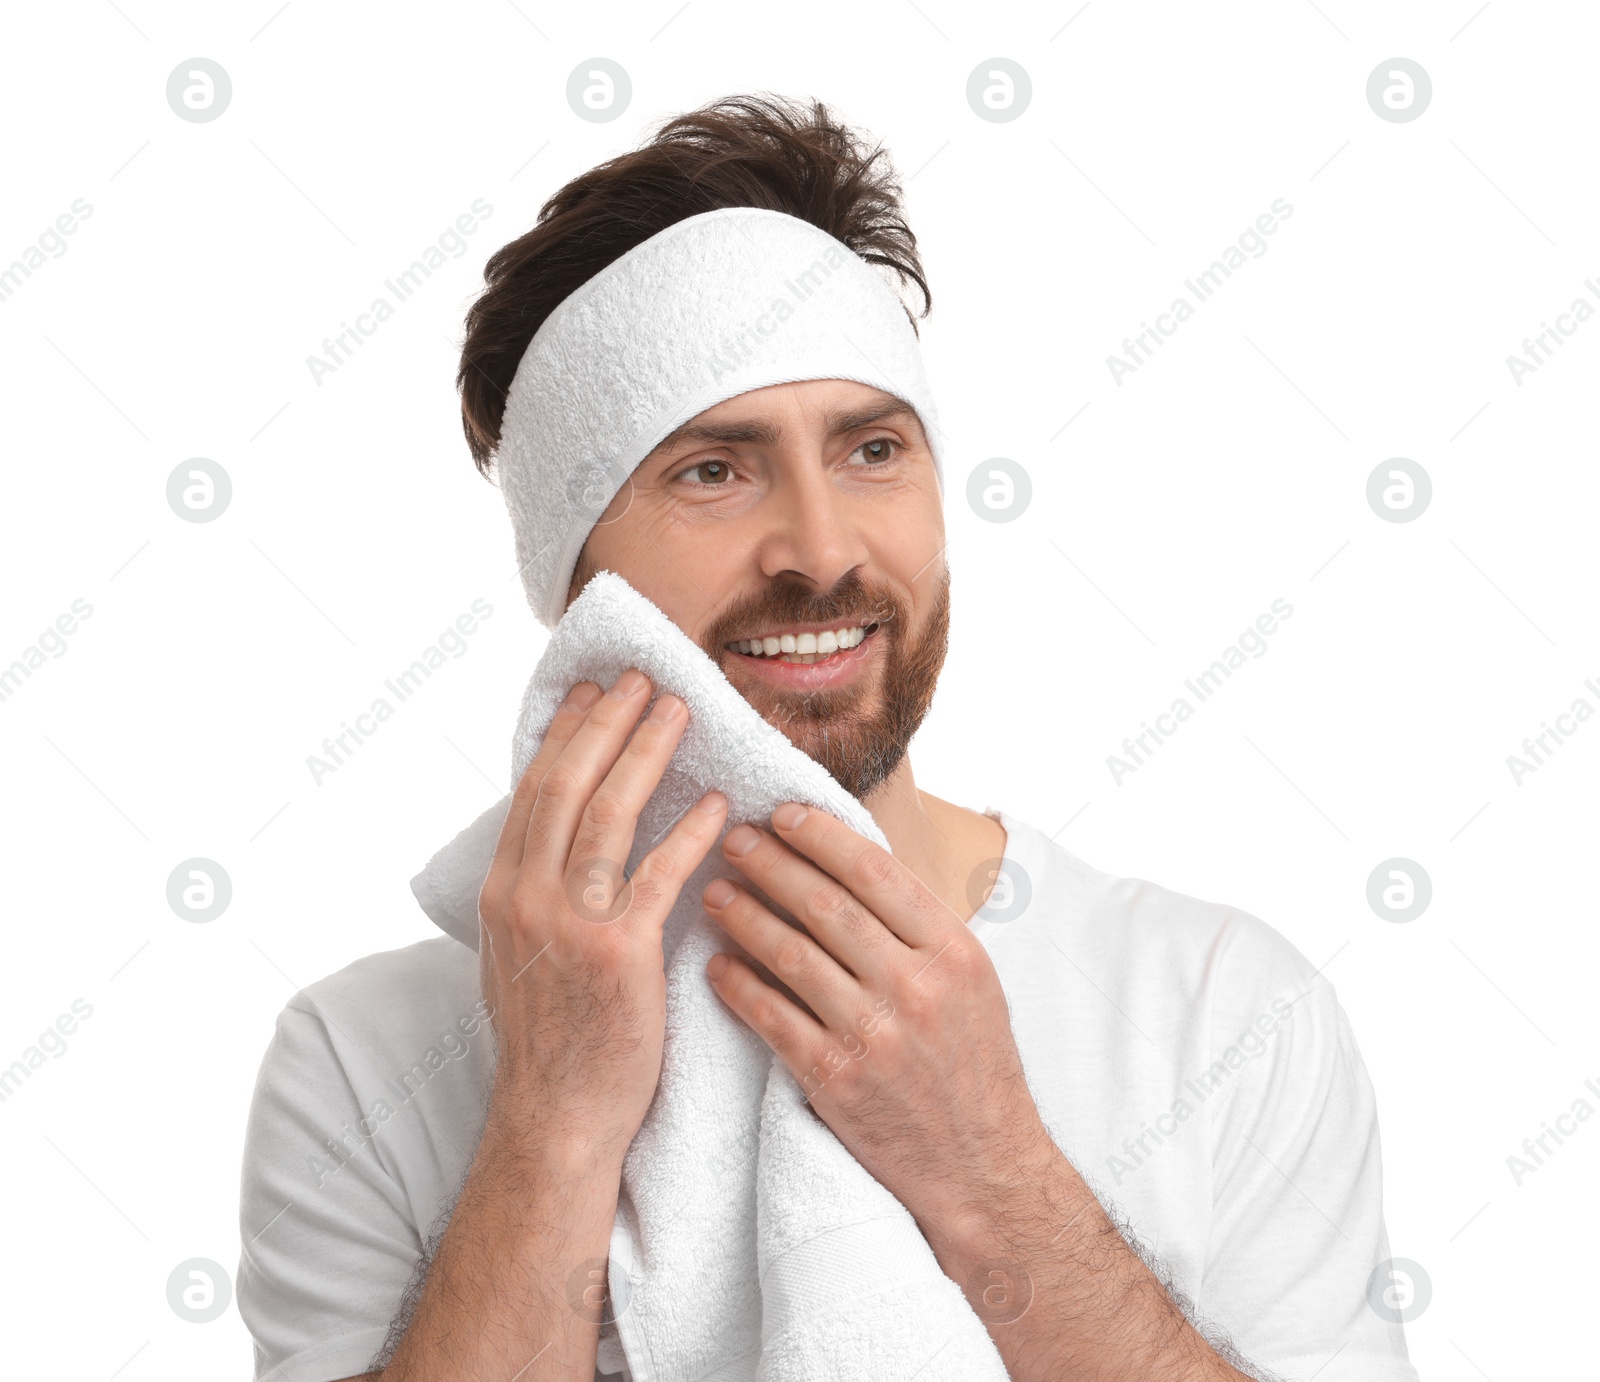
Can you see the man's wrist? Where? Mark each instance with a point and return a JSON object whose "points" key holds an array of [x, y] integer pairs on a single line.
{"points": [[1048, 1270], [1009, 1214], [552, 1149]]}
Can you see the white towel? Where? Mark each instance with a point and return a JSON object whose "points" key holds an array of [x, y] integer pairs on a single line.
{"points": [[749, 1244]]}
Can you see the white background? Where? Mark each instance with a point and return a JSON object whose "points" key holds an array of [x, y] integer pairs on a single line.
{"points": [[1167, 513]]}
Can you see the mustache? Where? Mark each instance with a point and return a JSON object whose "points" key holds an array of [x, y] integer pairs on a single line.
{"points": [[850, 599]]}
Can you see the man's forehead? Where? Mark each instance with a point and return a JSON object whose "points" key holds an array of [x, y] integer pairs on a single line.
{"points": [[751, 417]]}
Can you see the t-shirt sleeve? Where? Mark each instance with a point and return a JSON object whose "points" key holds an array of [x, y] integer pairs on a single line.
{"points": [[1297, 1225], [328, 1241]]}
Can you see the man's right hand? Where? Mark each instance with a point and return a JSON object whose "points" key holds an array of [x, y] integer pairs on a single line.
{"points": [[570, 958], [570, 951]]}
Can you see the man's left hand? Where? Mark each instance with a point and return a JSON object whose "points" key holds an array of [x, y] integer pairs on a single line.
{"points": [[907, 1051]]}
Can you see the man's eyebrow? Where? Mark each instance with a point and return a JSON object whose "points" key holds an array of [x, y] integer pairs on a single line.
{"points": [[838, 422]]}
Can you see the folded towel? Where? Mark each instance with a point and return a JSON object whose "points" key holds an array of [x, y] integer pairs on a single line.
{"points": [[749, 1244]]}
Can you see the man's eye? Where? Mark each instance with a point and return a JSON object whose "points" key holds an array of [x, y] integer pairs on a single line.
{"points": [[710, 472], [878, 449]]}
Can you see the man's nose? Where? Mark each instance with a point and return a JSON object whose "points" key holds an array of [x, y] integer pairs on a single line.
{"points": [[813, 534]]}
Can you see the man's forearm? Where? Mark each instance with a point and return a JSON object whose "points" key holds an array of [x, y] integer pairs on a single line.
{"points": [[1062, 1293], [517, 1284]]}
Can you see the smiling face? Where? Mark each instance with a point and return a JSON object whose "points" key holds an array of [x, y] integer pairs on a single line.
{"points": [[796, 533]]}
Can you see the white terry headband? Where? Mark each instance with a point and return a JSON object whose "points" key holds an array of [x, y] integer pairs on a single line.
{"points": [[711, 307]]}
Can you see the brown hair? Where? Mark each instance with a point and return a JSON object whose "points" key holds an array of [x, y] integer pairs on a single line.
{"points": [[763, 151]]}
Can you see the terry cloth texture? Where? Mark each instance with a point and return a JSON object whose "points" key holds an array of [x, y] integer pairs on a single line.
{"points": [[749, 1243]]}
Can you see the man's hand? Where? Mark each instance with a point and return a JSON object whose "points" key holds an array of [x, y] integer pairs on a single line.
{"points": [[907, 1051], [570, 960], [571, 954]]}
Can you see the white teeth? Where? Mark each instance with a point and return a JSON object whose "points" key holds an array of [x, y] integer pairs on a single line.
{"points": [[805, 645]]}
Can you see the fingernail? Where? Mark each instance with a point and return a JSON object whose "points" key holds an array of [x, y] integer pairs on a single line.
{"points": [[720, 893], [667, 709], [789, 815], [711, 803], [629, 682], [741, 840], [582, 696], [716, 965]]}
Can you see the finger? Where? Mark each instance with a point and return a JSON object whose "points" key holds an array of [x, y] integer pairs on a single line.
{"points": [[865, 871], [661, 874], [801, 1042], [610, 820], [570, 781], [840, 922], [810, 1051], [563, 725], [795, 959]]}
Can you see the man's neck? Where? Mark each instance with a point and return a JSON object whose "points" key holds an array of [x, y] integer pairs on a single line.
{"points": [[943, 844]]}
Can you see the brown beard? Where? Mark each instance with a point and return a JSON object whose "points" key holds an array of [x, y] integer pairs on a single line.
{"points": [[859, 733]]}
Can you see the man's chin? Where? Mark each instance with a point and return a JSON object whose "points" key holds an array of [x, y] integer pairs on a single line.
{"points": [[854, 742], [838, 728]]}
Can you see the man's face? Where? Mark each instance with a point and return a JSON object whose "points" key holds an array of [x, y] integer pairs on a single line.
{"points": [[792, 511]]}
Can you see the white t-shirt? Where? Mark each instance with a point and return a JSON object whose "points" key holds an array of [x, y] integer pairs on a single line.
{"points": [[1191, 1063]]}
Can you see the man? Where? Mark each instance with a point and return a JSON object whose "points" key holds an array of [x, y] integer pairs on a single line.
{"points": [[437, 1140]]}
